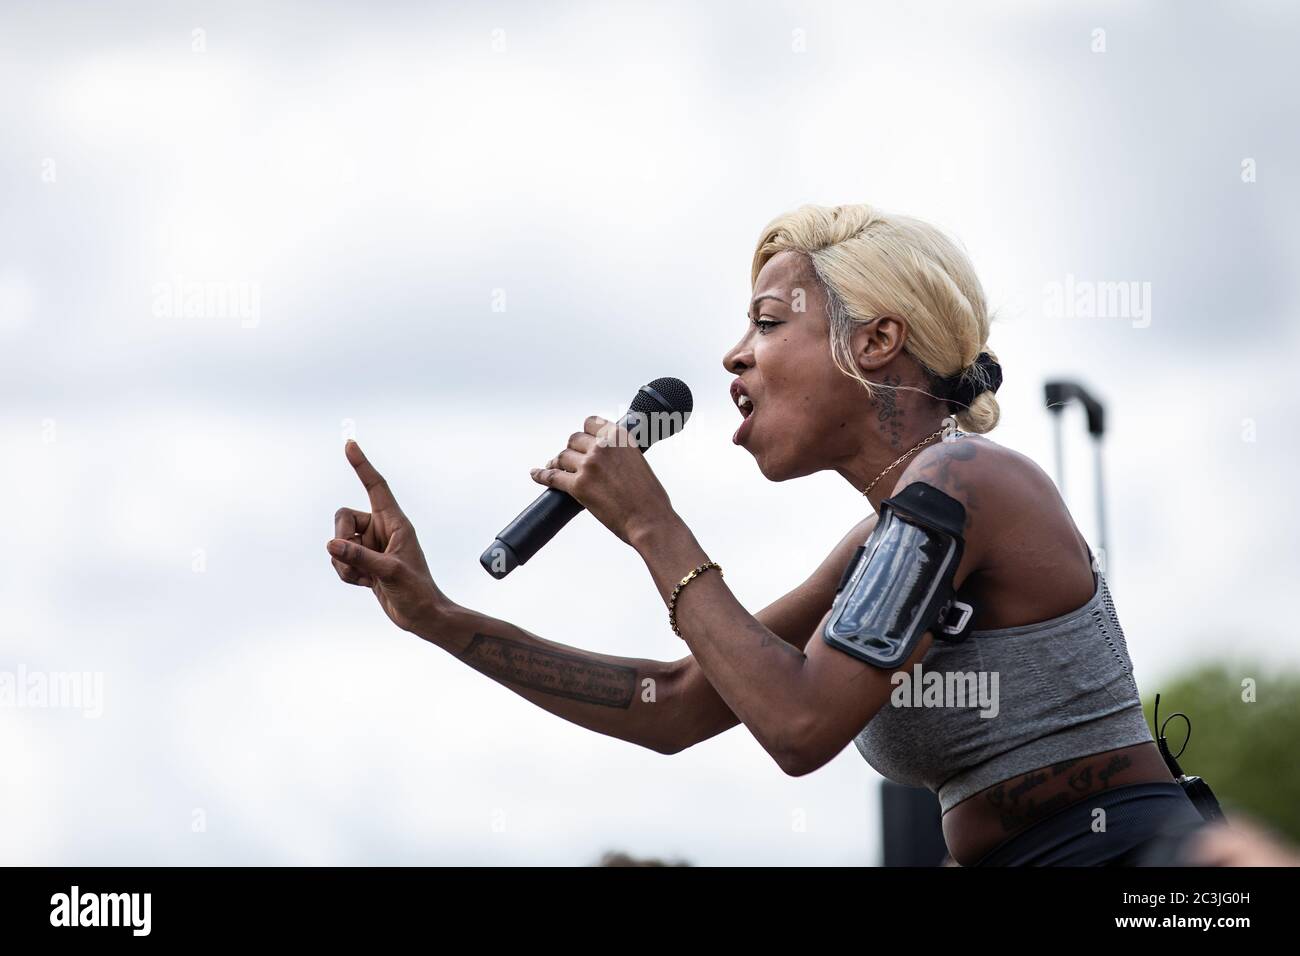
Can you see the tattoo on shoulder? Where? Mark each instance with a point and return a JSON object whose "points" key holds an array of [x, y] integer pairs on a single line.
{"points": [[938, 470], [552, 672]]}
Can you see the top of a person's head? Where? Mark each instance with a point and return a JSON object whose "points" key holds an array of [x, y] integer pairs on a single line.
{"points": [[873, 263]]}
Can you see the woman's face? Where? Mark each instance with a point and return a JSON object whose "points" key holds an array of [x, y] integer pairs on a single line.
{"points": [[805, 414]]}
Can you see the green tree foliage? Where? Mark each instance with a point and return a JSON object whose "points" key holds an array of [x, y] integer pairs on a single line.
{"points": [[1244, 749]]}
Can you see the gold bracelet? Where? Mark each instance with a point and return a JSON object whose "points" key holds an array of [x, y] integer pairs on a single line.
{"points": [[672, 601]]}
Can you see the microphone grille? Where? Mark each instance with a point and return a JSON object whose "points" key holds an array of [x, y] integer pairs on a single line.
{"points": [[664, 394]]}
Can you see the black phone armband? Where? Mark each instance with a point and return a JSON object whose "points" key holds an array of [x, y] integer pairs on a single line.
{"points": [[899, 584]]}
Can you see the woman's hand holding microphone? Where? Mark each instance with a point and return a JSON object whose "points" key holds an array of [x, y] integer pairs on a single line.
{"points": [[604, 469]]}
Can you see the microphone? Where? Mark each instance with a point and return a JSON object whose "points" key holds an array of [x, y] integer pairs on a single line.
{"points": [[659, 410]]}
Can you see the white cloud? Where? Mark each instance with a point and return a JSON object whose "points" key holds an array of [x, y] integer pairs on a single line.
{"points": [[380, 180]]}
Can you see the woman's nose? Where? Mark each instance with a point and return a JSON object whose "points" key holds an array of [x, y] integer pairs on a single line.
{"points": [[739, 357]]}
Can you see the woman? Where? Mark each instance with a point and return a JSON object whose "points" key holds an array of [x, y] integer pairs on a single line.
{"points": [[905, 320]]}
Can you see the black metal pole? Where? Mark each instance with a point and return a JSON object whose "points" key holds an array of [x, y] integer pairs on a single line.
{"points": [[1057, 395]]}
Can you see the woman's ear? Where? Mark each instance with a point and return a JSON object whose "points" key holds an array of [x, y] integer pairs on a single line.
{"points": [[877, 343]]}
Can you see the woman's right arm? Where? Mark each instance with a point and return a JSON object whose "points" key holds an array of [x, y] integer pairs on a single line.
{"points": [[702, 713], [665, 706]]}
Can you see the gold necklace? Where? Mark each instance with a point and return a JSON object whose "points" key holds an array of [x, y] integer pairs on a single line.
{"points": [[948, 423]]}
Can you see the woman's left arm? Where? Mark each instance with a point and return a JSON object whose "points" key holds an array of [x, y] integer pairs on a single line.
{"points": [[802, 707]]}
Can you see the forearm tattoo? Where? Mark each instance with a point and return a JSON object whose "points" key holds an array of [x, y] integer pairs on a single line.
{"points": [[551, 672]]}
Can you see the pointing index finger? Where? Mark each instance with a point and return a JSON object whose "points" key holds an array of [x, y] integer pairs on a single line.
{"points": [[381, 497]]}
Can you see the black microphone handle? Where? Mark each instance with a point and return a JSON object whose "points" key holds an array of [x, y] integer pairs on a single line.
{"points": [[532, 528], [537, 524]]}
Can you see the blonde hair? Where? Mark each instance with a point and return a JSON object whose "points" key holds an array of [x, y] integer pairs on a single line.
{"points": [[872, 264]]}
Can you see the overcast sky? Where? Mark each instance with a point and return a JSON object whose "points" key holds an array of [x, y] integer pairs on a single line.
{"points": [[455, 231]]}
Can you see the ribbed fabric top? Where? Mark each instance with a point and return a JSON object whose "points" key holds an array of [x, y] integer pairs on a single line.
{"points": [[1055, 690]]}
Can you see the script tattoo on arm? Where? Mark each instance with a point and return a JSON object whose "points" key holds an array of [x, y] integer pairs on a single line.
{"points": [[552, 672]]}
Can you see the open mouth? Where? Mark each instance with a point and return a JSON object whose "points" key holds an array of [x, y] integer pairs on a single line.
{"points": [[746, 405]]}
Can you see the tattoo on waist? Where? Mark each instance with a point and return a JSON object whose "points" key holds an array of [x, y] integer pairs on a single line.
{"points": [[1015, 810], [551, 672]]}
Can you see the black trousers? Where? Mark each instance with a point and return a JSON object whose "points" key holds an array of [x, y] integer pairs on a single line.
{"points": [[1136, 819]]}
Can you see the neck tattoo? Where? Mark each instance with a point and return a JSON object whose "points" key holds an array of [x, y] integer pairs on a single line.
{"points": [[949, 432]]}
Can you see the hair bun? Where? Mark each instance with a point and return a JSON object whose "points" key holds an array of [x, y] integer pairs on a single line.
{"points": [[983, 376]]}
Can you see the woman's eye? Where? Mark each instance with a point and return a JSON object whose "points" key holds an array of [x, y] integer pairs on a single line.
{"points": [[765, 325]]}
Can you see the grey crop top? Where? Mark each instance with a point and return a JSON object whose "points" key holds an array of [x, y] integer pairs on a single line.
{"points": [[1064, 689]]}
